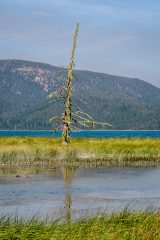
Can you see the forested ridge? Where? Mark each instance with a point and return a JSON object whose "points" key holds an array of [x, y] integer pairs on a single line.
{"points": [[126, 103]]}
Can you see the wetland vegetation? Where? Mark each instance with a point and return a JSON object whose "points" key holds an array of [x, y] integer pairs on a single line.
{"points": [[49, 152], [117, 226]]}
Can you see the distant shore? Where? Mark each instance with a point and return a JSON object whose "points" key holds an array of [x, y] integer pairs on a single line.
{"points": [[49, 152]]}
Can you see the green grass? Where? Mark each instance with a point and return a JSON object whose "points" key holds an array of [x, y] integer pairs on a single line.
{"points": [[29, 151], [119, 226]]}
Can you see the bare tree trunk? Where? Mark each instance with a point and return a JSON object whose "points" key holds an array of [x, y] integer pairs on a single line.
{"points": [[66, 116]]}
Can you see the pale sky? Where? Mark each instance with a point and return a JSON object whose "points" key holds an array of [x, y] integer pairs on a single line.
{"points": [[119, 37]]}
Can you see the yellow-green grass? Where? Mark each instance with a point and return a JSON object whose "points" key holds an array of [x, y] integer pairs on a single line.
{"points": [[30, 151], [119, 226]]}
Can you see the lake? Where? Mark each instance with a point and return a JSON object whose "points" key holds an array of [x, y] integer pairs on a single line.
{"points": [[86, 134], [74, 193]]}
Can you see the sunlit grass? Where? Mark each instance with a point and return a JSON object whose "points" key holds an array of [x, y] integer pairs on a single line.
{"points": [[26, 151], [117, 226]]}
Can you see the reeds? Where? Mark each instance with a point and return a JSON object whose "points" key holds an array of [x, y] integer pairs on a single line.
{"points": [[118, 226], [29, 151]]}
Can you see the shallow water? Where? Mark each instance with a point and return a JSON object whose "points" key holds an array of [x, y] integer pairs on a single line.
{"points": [[80, 192]]}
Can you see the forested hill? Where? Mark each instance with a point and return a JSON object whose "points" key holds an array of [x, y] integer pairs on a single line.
{"points": [[126, 103]]}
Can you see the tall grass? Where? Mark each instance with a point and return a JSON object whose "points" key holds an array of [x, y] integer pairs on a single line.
{"points": [[27, 151], [118, 226]]}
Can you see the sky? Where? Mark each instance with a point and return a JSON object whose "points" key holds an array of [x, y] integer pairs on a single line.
{"points": [[119, 37]]}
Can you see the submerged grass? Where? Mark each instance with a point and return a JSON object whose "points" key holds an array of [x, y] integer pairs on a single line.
{"points": [[118, 226], [38, 151]]}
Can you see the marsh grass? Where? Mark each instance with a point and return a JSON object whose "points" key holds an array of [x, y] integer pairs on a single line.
{"points": [[118, 226], [28, 151]]}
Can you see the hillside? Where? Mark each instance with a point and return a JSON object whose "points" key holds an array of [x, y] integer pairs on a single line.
{"points": [[126, 103]]}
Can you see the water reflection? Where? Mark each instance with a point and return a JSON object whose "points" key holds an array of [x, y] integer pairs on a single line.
{"points": [[67, 176], [73, 193]]}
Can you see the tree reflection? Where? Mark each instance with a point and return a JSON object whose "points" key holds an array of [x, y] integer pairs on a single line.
{"points": [[67, 176]]}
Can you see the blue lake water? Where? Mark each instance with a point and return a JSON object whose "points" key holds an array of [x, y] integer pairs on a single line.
{"points": [[86, 134]]}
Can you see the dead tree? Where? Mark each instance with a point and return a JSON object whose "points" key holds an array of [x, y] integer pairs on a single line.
{"points": [[69, 117], [66, 116]]}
